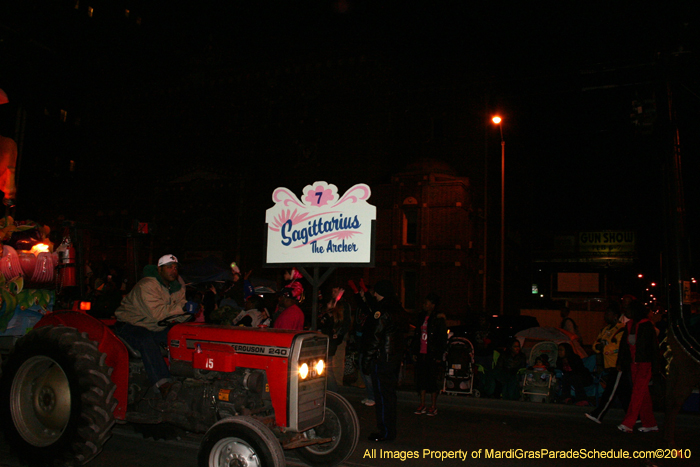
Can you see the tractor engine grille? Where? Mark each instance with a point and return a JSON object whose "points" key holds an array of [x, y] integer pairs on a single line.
{"points": [[308, 394]]}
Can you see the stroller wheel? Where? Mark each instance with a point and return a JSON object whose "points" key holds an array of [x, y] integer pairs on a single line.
{"points": [[476, 393]]}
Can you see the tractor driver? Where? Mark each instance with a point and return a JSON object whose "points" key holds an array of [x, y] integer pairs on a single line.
{"points": [[158, 295]]}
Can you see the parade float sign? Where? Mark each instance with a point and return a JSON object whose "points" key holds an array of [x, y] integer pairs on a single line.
{"points": [[321, 228]]}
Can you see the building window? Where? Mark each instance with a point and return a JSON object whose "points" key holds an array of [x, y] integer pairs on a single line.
{"points": [[409, 288], [410, 226]]}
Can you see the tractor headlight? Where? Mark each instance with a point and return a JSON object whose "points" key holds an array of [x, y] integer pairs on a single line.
{"points": [[311, 369], [304, 370]]}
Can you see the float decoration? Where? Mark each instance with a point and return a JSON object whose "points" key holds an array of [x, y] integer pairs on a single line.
{"points": [[27, 252], [20, 308]]}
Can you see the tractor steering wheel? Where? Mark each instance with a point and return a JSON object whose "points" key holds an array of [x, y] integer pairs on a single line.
{"points": [[173, 319]]}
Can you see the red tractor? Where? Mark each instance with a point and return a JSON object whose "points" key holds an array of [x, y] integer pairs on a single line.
{"points": [[254, 392]]}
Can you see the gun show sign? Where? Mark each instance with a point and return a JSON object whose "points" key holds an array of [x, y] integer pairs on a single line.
{"points": [[607, 242], [320, 228]]}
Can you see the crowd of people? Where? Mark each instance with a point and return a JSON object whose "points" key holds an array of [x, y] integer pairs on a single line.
{"points": [[375, 336]]}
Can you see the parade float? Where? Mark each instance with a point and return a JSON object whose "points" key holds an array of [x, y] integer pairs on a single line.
{"points": [[29, 274]]}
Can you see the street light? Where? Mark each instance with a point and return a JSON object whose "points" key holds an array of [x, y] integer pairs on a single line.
{"points": [[498, 121]]}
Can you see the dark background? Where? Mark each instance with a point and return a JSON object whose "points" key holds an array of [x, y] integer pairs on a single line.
{"points": [[283, 93]]}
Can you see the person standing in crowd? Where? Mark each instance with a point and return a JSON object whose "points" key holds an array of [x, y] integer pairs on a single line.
{"points": [[384, 351], [483, 337], [428, 349], [331, 323], [625, 312], [362, 328], [340, 301], [608, 343], [574, 373], [290, 315], [639, 352], [159, 295]]}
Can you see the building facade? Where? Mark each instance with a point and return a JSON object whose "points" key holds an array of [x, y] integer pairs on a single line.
{"points": [[427, 238]]}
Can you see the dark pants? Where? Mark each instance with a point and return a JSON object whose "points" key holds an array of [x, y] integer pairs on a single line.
{"points": [[367, 379], [385, 378], [616, 385], [427, 373], [148, 343]]}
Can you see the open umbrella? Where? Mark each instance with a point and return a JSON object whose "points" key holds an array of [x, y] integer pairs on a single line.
{"points": [[529, 337]]}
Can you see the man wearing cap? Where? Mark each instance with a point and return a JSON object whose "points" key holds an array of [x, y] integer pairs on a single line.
{"points": [[384, 349], [159, 295]]}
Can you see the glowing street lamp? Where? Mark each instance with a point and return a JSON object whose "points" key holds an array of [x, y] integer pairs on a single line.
{"points": [[498, 121]]}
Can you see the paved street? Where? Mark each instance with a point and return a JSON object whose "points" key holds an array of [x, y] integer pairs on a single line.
{"points": [[463, 423], [473, 424]]}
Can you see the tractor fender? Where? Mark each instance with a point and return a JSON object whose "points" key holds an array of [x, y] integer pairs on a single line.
{"points": [[107, 343]]}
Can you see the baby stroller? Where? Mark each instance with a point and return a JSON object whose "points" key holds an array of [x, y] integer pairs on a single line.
{"points": [[538, 379], [459, 377]]}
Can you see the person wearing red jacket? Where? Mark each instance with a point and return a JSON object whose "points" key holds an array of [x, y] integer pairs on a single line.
{"points": [[639, 353], [291, 316]]}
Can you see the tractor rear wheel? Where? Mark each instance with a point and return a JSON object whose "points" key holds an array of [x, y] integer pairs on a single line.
{"points": [[56, 397], [341, 425]]}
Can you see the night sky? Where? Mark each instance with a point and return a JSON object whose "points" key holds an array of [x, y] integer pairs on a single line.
{"points": [[563, 75]]}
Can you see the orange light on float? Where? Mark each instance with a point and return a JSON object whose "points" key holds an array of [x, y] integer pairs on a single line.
{"points": [[39, 248]]}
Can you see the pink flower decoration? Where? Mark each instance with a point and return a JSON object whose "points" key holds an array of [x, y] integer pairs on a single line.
{"points": [[318, 197], [286, 215]]}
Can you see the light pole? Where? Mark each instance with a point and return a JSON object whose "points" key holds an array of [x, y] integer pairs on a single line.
{"points": [[498, 121]]}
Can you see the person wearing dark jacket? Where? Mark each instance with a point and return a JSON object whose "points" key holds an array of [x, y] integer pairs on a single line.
{"points": [[428, 349], [384, 349], [333, 324], [639, 354], [363, 323]]}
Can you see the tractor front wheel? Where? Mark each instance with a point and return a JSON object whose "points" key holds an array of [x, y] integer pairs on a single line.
{"points": [[240, 442]]}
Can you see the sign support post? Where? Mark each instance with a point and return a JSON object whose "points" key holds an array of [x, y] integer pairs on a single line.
{"points": [[316, 284]]}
